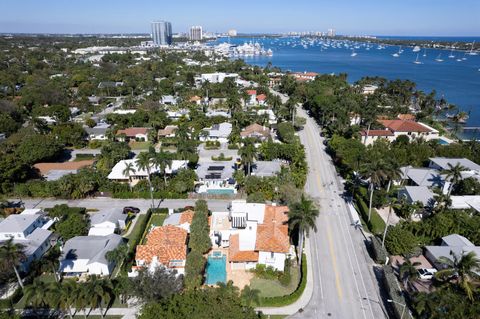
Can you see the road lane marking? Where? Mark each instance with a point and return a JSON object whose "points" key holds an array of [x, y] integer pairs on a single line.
{"points": [[334, 262]]}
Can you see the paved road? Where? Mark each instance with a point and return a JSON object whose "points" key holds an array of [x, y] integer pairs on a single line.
{"points": [[105, 203], [343, 272]]}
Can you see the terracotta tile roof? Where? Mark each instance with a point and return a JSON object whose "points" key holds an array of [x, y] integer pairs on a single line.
{"points": [[234, 253], [406, 117], [186, 217], [272, 235], [251, 92], [169, 129], [377, 133], [44, 168], [195, 98], [255, 128], [404, 126], [133, 131], [261, 97], [167, 243]]}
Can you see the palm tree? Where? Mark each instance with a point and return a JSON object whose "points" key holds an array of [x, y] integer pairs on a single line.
{"points": [[98, 291], [12, 254], [393, 203], [127, 171], [37, 294], [454, 175], [376, 172], [393, 172], [442, 201], [464, 267], [408, 273], [249, 296], [144, 162], [227, 288], [51, 258], [162, 160], [60, 295], [354, 183], [79, 296], [248, 154], [302, 216]]}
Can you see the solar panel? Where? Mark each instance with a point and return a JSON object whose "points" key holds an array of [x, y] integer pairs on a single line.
{"points": [[216, 168], [213, 176]]}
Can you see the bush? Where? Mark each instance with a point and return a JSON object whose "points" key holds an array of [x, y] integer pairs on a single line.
{"points": [[285, 278], [265, 272], [379, 253], [146, 195], [10, 302], [400, 241], [376, 224], [221, 157], [291, 298], [393, 289]]}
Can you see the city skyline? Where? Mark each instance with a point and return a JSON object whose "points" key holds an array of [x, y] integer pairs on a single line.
{"points": [[426, 18]]}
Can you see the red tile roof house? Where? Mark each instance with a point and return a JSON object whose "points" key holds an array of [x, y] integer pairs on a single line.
{"points": [[261, 99], [396, 128], [133, 133], [252, 94]]}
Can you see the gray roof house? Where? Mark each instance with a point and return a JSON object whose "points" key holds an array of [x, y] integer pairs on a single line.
{"points": [[219, 131], [266, 168], [441, 163], [86, 254], [106, 222], [30, 230], [423, 176], [451, 244], [98, 132], [420, 194], [216, 177]]}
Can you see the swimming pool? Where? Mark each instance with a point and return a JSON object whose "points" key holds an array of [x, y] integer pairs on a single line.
{"points": [[216, 268], [221, 191]]}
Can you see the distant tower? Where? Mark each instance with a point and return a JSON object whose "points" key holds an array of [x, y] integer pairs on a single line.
{"points": [[162, 32], [196, 33]]}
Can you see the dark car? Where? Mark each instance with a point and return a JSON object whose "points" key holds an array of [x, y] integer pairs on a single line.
{"points": [[130, 209]]}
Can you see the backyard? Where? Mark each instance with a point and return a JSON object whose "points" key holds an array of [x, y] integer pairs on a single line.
{"points": [[273, 287]]}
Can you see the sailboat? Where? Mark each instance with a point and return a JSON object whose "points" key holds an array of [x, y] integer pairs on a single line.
{"points": [[416, 48], [353, 53], [451, 56], [397, 54], [425, 52], [471, 50], [439, 58], [417, 61]]}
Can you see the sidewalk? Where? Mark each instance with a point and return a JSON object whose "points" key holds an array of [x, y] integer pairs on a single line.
{"points": [[304, 299]]}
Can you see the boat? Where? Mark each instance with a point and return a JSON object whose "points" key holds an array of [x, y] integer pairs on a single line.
{"points": [[416, 49], [417, 61], [471, 50], [425, 52], [451, 56], [396, 55], [439, 58], [353, 53]]}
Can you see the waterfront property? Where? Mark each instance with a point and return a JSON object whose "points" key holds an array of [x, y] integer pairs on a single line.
{"points": [[395, 128]]}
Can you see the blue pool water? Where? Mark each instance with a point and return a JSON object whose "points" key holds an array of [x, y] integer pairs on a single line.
{"points": [[216, 269], [221, 191]]}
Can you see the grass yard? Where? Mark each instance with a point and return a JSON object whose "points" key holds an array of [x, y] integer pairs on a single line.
{"points": [[139, 145], [273, 288], [137, 229], [157, 220]]}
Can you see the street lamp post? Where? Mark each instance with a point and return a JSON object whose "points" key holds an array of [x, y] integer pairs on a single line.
{"points": [[398, 303]]}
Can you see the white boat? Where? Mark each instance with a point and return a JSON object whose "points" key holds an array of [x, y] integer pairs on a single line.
{"points": [[396, 55], [471, 50], [439, 58], [353, 53], [417, 61], [416, 49], [451, 56], [425, 52]]}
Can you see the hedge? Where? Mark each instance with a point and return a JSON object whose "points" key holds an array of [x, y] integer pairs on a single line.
{"points": [[376, 224], [10, 302], [379, 253], [146, 195], [291, 298], [392, 287]]}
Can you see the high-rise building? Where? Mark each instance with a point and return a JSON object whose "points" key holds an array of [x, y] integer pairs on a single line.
{"points": [[232, 33], [331, 32], [162, 32], [196, 33]]}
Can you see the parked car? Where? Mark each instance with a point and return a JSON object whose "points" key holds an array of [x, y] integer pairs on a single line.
{"points": [[130, 209], [426, 273]]}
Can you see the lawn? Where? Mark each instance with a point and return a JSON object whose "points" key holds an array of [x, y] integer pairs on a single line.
{"points": [[157, 220], [273, 288], [137, 228], [139, 145]]}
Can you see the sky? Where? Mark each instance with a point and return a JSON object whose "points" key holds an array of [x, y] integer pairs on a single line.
{"points": [[348, 17]]}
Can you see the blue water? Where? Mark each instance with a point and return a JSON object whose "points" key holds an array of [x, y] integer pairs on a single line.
{"points": [[221, 191], [216, 270], [458, 82]]}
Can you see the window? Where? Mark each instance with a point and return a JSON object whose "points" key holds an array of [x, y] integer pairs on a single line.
{"points": [[272, 254]]}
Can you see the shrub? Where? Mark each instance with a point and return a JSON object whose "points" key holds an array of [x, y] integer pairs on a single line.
{"points": [[265, 272], [379, 253], [400, 241], [285, 278], [221, 157], [376, 224], [393, 289]]}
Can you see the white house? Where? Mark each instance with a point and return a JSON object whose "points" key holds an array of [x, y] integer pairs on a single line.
{"points": [[216, 77], [87, 255], [98, 132], [107, 222], [395, 128], [168, 100], [215, 177], [30, 228], [133, 133], [218, 132], [118, 171], [252, 97]]}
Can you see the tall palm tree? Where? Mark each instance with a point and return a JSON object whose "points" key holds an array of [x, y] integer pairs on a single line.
{"points": [[144, 162], [37, 294], [12, 255], [408, 273], [98, 292], [51, 258], [454, 175], [162, 160], [60, 296], [302, 216], [393, 203], [249, 295], [464, 267], [393, 172], [376, 172], [127, 171], [248, 154], [81, 301]]}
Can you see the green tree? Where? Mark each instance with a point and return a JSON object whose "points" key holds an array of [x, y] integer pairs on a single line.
{"points": [[37, 294], [11, 255], [376, 171], [127, 171], [117, 255], [249, 296], [155, 286], [98, 292], [248, 154], [144, 162], [162, 160], [194, 268], [409, 273], [302, 217], [199, 229], [454, 175]]}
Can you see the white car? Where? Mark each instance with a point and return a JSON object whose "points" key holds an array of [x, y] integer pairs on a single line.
{"points": [[426, 273]]}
